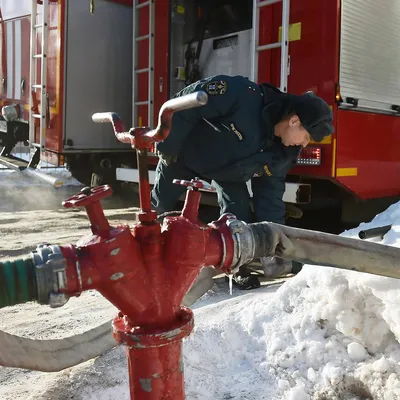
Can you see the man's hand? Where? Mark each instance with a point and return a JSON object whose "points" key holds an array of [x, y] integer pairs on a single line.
{"points": [[281, 246], [278, 262], [270, 241], [274, 266]]}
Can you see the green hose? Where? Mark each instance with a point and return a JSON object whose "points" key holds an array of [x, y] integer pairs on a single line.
{"points": [[17, 282]]}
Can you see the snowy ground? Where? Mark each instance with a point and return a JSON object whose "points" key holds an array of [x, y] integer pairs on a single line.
{"points": [[325, 334]]}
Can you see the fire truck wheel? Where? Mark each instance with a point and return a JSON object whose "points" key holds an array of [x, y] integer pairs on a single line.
{"points": [[94, 169], [80, 168]]}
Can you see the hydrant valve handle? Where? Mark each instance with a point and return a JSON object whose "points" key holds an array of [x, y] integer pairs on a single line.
{"points": [[195, 184], [88, 196]]}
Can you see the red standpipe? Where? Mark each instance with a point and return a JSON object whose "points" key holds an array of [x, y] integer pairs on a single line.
{"points": [[145, 273], [147, 270]]}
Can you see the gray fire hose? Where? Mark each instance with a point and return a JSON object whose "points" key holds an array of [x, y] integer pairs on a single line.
{"points": [[317, 248]]}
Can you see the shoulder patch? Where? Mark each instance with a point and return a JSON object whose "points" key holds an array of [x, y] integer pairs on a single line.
{"points": [[216, 87]]}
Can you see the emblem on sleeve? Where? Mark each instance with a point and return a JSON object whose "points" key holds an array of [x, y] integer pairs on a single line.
{"points": [[267, 171], [236, 132], [216, 87]]}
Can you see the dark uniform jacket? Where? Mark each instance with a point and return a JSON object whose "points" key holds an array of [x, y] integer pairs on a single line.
{"points": [[229, 140]]}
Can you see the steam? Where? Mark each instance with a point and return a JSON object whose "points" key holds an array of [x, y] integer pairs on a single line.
{"points": [[20, 191]]}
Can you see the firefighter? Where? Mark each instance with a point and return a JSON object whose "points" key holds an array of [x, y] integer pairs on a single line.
{"points": [[246, 132]]}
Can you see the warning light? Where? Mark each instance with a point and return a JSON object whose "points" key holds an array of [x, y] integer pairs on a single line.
{"points": [[310, 156], [338, 95]]}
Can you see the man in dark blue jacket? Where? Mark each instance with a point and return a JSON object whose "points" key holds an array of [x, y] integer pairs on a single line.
{"points": [[245, 132]]}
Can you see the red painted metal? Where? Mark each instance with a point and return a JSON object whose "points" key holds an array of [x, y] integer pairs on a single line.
{"points": [[126, 2], [192, 203], [145, 272], [370, 143], [142, 62], [313, 61], [89, 198], [222, 227], [154, 357], [161, 60], [55, 70], [314, 65], [161, 56], [56, 79], [142, 139], [191, 206]]}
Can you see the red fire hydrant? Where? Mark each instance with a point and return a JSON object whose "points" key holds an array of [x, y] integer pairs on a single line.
{"points": [[146, 271]]}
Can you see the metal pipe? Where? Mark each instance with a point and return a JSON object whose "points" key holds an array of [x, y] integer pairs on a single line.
{"points": [[143, 138], [379, 231], [196, 99], [144, 187], [254, 42], [52, 180], [285, 45], [155, 356], [151, 379]]}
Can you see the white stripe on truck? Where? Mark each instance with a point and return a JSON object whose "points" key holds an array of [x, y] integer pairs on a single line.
{"points": [[18, 51], [10, 50], [291, 195]]}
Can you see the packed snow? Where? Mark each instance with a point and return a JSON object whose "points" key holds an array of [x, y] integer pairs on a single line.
{"points": [[324, 334]]}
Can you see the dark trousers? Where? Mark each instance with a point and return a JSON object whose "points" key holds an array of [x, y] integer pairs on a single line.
{"points": [[232, 197]]}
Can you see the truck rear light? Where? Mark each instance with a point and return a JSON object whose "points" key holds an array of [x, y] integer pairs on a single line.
{"points": [[310, 156]]}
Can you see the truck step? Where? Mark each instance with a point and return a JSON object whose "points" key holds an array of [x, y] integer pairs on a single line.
{"points": [[13, 162]]}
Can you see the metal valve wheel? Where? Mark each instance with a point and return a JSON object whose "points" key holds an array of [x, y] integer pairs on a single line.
{"points": [[88, 196], [196, 184]]}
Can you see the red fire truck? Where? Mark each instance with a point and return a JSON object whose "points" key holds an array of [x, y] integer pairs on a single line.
{"points": [[62, 61]]}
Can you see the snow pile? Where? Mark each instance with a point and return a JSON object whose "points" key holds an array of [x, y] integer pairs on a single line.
{"points": [[325, 334]]}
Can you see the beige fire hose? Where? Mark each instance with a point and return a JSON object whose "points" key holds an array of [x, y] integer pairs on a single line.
{"points": [[55, 355], [58, 354]]}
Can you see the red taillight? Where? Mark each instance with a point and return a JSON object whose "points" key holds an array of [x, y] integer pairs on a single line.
{"points": [[310, 156]]}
